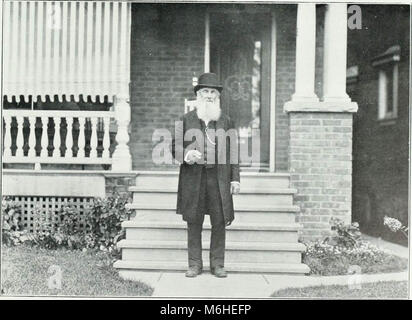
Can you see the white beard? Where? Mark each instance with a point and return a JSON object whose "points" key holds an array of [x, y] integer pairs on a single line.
{"points": [[208, 111]]}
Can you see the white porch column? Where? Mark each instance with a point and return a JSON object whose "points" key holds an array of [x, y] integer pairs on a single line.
{"points": [[334, 65], [305, 54]]}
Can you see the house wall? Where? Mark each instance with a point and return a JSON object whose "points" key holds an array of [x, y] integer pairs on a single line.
{"points": [[119, 184], [285, 79], [167, 51], [380, 148]]}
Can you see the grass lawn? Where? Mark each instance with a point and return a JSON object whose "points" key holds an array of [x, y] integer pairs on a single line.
{"points": [[378, 290], [25, 272]]}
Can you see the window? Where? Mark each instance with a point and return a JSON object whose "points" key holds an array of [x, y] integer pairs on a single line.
{"points": [[388, 75], [352, 75], [388, 92]]}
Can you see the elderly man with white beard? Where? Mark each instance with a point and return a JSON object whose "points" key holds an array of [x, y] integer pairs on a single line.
{"points": [[209, 174]]}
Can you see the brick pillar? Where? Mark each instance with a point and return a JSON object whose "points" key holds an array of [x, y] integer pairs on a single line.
{"points": [[320, 165], [119, 184], [320, 132]]}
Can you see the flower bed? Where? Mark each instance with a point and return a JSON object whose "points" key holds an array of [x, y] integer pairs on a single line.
{"points": [[346, 252], [326, 260]]}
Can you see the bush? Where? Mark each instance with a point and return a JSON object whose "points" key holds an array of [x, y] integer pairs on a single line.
{"points": [[346, 235], [12, 233], [99, 228], [58, 230], [336, 254], [104, 221], [70, 231], [44, 234]]}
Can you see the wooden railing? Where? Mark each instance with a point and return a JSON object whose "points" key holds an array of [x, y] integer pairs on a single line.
{"points": [[58, 137]]}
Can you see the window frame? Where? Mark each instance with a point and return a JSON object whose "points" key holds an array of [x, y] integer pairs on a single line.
{"points": [[387, 65]]}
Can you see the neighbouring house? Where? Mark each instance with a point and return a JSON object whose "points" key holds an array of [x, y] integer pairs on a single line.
{"points": [[86, 86], [378, 61]]}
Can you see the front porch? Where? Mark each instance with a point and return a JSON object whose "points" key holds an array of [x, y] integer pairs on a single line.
{"points": [[144, 59]]}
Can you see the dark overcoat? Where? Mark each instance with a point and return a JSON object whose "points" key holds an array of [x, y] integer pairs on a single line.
{"points": [[186, 139]]}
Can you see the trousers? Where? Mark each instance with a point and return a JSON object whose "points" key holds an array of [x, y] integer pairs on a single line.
{"points": [[209, 203]]}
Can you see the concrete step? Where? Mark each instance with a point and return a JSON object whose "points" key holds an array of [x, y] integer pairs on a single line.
{"points": [[153, 179], [244, 190], [246, 208], [263, 238], [282, 197], [244, 214], [257, 252], [269, 268], [239, 232]]}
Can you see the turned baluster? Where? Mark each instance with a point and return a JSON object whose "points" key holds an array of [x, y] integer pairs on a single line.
{"points": [[69, 138], [7, 136], [82, 140], [32, 137], [56, 137], [93, 138], [19, 138], [44, 137], [106, 137]]}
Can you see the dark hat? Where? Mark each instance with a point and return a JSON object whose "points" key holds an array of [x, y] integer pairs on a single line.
{"points": [[208, 80]]}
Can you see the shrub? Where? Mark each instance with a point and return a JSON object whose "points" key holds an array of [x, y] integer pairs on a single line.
{"points": [[346, 235], [70, 231], [12, 228], [99, 227], [104, 221], [12, 233], [44, 234]]}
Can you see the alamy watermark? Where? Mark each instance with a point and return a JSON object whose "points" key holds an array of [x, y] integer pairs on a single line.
{"points": [[355, 18], [55, 280], [355, 277]]}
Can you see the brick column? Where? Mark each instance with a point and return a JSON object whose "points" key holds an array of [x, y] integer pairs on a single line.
{"points": [[119, 183], [320, 134], [320, 164]]}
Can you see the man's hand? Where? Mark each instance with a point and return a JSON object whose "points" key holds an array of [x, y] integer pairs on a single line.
{"points": [[193, 156], [234, 187]]}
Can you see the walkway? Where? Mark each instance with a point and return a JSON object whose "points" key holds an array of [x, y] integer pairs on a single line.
{"points": [[175, 284]]}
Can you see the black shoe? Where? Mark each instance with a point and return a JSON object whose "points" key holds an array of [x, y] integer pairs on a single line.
{"points": [[219, 272], [192, 272]]}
